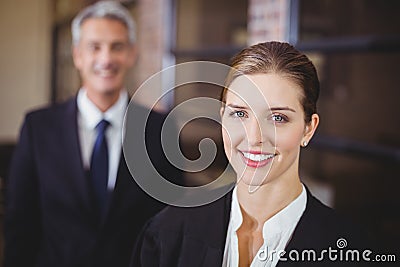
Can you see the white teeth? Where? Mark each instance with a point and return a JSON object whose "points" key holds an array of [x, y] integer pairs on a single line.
{"points": [[257, 157]]}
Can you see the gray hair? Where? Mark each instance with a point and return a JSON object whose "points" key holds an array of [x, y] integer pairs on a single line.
{"points": [[103, 9]]}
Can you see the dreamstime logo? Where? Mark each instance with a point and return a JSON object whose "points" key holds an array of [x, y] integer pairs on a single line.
{"points": [[340, 254], [341, 243], [136, 150]]}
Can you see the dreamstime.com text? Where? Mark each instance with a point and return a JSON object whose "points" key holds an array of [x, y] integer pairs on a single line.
{"points": [[340, 253]]}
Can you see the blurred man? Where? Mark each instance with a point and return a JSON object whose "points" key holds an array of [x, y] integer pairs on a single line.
{"points": [[70, 200]]}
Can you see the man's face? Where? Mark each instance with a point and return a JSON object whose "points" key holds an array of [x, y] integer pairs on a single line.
{"points": [[103, 55]]}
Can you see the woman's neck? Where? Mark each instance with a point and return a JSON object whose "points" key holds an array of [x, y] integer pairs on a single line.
{"points": [[263, 203]]}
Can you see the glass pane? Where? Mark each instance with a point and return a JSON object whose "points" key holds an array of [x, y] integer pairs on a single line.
{"points": [[210, 23], [211, 30], [359, 111], [343, 18]]}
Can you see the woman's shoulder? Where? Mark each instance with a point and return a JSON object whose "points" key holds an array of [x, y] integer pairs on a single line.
{"points": [[190, 219], [324, 225], [184, 235], [327, 216]]}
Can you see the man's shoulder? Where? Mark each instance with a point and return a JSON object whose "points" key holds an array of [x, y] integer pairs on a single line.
{"points": [[138, 110], [51, 111]]}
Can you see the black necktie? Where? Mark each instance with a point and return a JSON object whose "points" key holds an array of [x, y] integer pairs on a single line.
{"points": [[99, 166]]}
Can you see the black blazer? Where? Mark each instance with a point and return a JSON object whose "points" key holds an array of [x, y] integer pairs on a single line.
{"points": [[50, 216], [196, 236]]}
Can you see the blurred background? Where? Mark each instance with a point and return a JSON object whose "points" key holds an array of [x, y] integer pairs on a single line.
{"points": [[353, 163]]}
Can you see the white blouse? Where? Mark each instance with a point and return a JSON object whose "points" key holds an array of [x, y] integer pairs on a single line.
{"points": [[277, 232]]}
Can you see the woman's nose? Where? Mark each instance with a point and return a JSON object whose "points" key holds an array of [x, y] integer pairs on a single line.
{"points": [[256, 134]]}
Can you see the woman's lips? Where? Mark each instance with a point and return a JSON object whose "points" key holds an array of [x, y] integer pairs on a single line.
{"points": [[256, 159]]}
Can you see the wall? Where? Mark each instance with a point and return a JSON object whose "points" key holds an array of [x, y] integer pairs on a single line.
{"points": [[25, 30]]}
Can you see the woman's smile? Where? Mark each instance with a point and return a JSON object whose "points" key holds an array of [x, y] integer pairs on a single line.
{"points": [[257, 159]]}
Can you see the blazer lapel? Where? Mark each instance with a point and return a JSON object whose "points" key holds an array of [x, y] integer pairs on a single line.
{"points": [[307, 227], [209, 224], [218, 238], [73, 154], [119, 189]]}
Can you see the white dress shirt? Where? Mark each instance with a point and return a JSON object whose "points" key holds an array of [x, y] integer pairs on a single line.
{"points": [[88, 118], [277, 232]]}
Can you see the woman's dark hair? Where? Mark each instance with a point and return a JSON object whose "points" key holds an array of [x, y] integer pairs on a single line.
{"points": [[283, 59]]}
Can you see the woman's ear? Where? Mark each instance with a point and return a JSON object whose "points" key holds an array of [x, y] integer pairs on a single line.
{"points": [[310, 129]]}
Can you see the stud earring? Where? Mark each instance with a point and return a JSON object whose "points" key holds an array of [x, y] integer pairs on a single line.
{"points": [[305, 143]]}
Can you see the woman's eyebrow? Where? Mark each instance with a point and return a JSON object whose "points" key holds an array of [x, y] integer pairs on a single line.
{"points": [[282, 108], [271, 109], [236, 106]]}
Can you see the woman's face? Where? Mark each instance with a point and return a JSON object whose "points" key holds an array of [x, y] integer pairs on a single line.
{"points": [[263, 128]]}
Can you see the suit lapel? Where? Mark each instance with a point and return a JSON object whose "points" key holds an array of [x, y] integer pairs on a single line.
{"points": [[218, 238], [125, 186], [210, 252], [73, 154], [120, 187], [300, 240], [118, 192], [307, 227]]}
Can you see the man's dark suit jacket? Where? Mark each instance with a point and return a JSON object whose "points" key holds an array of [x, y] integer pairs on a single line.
{"points": [[196, 236], [51, 216]]}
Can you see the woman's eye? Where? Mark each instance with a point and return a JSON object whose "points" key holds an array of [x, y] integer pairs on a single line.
{"points": [[238, 114], [278, 118]]}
